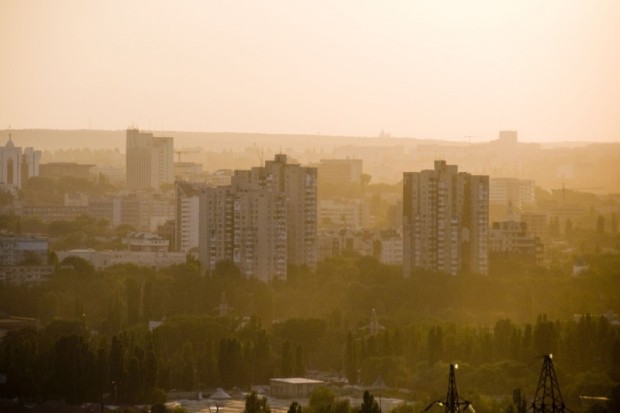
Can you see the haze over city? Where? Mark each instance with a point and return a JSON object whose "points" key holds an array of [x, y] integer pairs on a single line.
{"points": [[310, 207], [423, 69]]}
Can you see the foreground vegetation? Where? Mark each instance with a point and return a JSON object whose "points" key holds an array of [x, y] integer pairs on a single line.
{"points": [[94, 338]]}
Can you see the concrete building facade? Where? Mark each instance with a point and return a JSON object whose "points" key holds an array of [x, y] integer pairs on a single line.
{"points": [[340, 171], [445, 221], [16, 166], [149, 160], [519, 192], [513, 237], [187, 215], [343, 213], [24, 260], [263, 221]]}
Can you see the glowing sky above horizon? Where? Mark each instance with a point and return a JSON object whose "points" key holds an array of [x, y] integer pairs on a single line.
{"points": [[428, 69]]}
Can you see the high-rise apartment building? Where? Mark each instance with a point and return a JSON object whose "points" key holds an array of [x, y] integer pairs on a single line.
{"points": [[187, 213], [445, 221], [16, 166], [263, 221], [149, 160]]}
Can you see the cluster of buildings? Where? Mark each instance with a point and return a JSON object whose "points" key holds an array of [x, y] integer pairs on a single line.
{"points": [[269, 217], [17, 165], [263, 221], [24, 260]]}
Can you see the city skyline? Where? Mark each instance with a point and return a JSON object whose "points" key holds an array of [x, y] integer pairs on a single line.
{"points": [[437, 70]]}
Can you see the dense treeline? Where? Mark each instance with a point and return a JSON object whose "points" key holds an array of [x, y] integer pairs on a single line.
{"points": [[94, 338]]}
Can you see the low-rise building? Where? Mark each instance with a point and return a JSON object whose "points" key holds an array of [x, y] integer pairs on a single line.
{"points": [[512, 237], [385, 245], [25, 274], [343, 213], [23, 250], [104, 259], [62, 169], [24, 260], [50, 213], [145, 241], [293, 388]]}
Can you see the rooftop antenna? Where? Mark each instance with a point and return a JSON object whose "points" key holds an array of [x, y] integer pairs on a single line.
{"points": [[453, 403], [548, 398]]}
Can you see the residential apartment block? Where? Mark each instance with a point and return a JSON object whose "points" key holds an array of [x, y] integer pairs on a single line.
{"points": [[512, 237], [149, 160], [187, 214], [445, 221], [24, 260], [519, 192], [263, 221], [340, 171], [17, 165]]}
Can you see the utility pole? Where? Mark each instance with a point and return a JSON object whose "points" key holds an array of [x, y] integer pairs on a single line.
{"points": [[548, 398], [453, 403]]}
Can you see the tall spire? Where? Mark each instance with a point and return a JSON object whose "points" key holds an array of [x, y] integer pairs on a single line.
{"points": [[548, 397]]}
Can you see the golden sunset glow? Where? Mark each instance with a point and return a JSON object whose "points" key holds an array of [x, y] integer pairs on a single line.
{"points": [[426, 69]]}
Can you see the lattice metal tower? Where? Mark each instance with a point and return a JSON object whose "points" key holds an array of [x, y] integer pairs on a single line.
{"points": [[548, 398], [453, 403]]}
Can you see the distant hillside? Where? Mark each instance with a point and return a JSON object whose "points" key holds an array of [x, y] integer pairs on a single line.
{"points": [[53, 139], [48, 139]]}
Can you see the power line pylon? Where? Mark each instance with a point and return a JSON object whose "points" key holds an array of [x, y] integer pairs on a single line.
{"points": [[548, 398], [453, 403]]}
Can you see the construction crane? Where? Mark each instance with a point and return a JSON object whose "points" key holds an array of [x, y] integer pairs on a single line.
{"points": [[453, 403], [179, 153], [548, 398], [564, 189]]}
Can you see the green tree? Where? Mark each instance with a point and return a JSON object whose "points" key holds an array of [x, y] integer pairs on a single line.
{"points": [[342, 406], [369, 404], [322, 400], [256, 404], [300, 366], [350, 361], [286, 365], [294, 408], [132, 297]]}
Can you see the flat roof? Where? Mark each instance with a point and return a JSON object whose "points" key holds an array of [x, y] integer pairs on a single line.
{"points": [[297, 380]]}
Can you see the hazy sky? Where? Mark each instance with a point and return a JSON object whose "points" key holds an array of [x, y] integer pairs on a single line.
{"points": [[427, 69]]}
